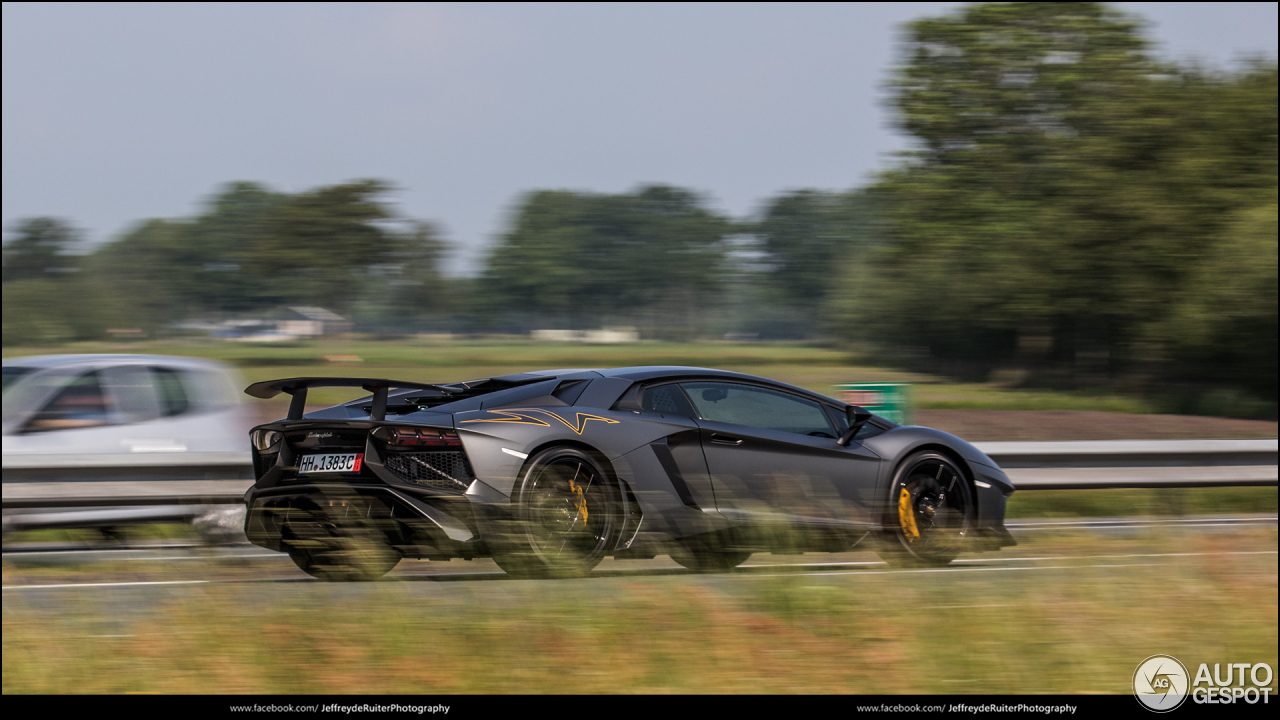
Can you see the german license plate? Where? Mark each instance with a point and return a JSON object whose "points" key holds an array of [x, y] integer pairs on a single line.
{"points": [[338, 463]]}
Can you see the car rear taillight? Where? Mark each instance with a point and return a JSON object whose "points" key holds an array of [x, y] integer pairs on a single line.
{"points": [[264, 440], [418, 437]]}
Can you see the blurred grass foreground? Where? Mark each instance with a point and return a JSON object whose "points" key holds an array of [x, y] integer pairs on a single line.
{"points": [[1077, 624]]}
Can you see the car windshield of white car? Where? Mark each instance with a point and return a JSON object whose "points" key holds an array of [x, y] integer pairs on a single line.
{"points": [[12, 373]]}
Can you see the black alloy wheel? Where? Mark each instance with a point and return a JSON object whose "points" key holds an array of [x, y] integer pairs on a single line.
{"points": [[929, 512], [567, 516]]}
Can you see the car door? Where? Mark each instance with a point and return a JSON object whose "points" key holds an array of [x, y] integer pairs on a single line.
{"points": [[203, 407], [773, 458], [680, 453]]}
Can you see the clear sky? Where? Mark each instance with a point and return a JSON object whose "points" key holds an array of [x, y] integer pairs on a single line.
{"points": [[115, 113]]}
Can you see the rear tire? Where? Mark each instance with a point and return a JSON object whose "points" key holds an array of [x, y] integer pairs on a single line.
{"points": [[350, 560], [567, 516], [928, 514], [323, 546]]}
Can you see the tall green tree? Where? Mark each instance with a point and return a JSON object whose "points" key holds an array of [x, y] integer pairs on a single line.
{"points": [[318, 246], [156, 270], [49, 294], [39, 248], [998, 96], [653, 257], [808, 236], [409, 291], [201, 267], [1225, 321], [1065, 188], [223, 279], [248, 252]]}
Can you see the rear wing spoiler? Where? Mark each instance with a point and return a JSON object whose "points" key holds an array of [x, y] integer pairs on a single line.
{"points": [[380, 387]]}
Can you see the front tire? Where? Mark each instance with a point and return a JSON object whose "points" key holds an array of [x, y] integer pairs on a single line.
{"points": [[567, 516], [928, 514], [706, 556]]}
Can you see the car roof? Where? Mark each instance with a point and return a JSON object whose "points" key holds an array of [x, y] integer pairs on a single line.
{"points": [[634, 374], [641, 372], [651, 372], [108, 359], [644, 373]]}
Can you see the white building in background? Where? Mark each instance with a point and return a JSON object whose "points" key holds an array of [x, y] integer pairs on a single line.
{"points": [[601, 336], [310, 321], [288, 323]]}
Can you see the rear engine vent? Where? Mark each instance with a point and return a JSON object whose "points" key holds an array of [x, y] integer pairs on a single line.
{"points": [[418, 437], [569, 391], [266, 461], [446, 470]]}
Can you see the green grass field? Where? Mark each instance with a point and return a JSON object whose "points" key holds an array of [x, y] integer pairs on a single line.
{"points": [[1056, 626]]}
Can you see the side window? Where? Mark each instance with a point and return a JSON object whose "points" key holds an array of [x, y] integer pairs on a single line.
{"points": [[133, 390], [207, 390], [840, 419], [173, 396], [80, 404], [758, 407], [668, 400]]}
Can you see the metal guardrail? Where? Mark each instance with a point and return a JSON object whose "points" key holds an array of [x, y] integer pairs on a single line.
{"points": [[222, 478], [143, 492], [126, 467], [1135, 463], [152, 479], [102, 517]]}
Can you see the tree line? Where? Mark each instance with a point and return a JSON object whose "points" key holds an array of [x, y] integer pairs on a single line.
{"points": [[1071, 206], [251, 251]]}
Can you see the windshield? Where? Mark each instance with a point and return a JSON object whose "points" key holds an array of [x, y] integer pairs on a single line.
{"points": [[27, 390], [12, 373]]}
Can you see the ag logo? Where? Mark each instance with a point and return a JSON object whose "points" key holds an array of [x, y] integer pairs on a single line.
{"points": [[1161, 683]]}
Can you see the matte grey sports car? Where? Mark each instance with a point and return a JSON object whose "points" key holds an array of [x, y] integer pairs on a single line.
{"points": [[549, 472]]}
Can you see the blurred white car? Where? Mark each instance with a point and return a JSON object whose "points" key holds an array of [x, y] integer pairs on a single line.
{"points": [[63, 404], [144, 424]]}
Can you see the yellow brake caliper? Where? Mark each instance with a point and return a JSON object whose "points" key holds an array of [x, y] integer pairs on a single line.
{"points": [[581, 502], [907, 516]]}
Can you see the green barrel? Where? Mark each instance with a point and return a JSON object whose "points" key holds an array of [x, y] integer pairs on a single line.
{"points": [[891, 401]]}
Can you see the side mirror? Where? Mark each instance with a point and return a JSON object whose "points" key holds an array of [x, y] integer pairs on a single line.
{"points": [[857, 418]]}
